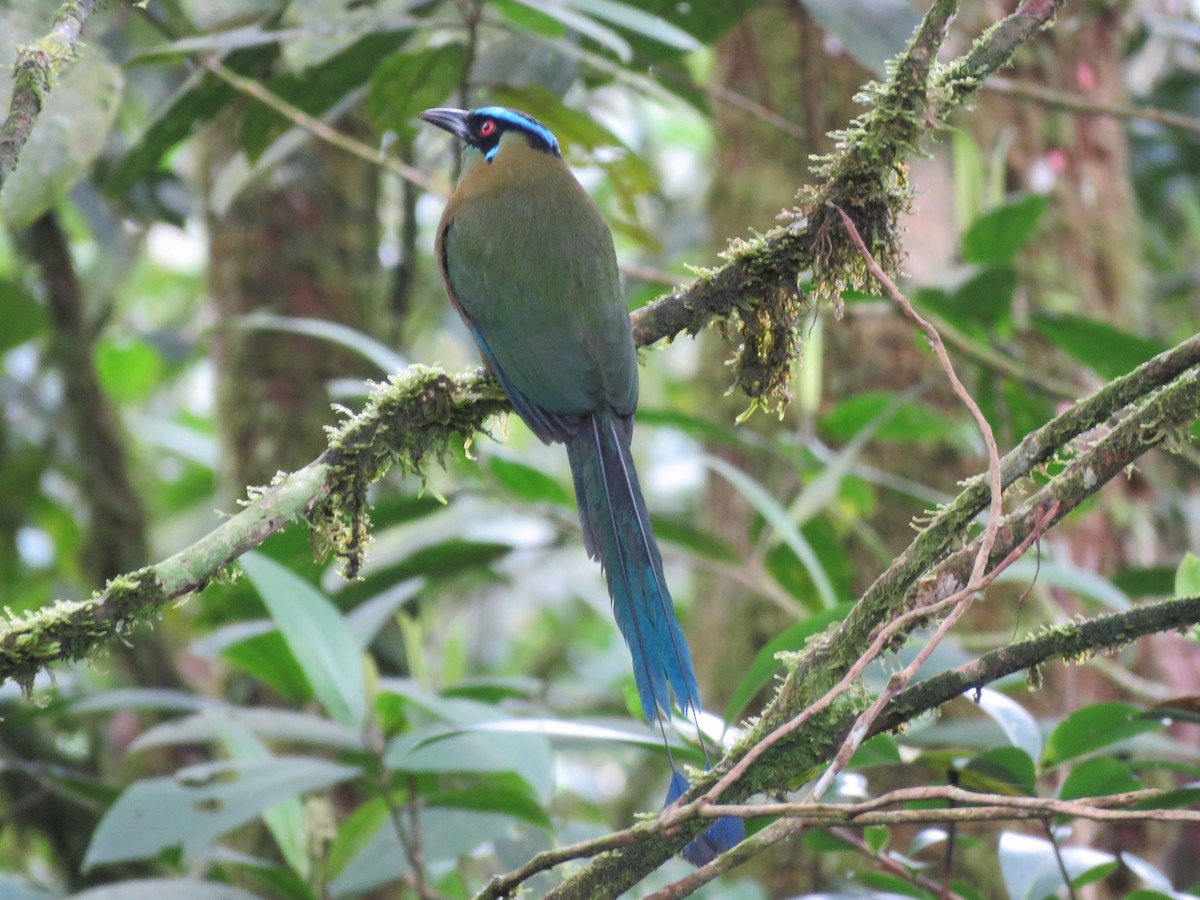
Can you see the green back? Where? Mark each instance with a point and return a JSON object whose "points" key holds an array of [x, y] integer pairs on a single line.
{"points": [[530, 262]]}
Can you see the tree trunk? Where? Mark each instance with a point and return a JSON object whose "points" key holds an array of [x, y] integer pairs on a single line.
{"points": [[300, 241]]}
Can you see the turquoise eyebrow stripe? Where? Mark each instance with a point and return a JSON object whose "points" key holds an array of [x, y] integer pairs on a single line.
{"points": [[504, 114]]}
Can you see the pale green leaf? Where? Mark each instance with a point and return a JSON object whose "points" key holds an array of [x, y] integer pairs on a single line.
{"points": [[1187, 576], [317, 635], [66, 138], [777, 517], [200, 803], [285, 819]]}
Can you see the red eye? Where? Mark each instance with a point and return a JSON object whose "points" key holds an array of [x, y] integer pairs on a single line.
{"points": [[488, 128]]}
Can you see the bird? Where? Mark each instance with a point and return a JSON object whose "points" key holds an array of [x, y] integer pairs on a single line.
{"points": [[529, 264]]}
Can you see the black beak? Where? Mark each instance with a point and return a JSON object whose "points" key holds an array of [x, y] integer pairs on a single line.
{"points": [[452, 120]]}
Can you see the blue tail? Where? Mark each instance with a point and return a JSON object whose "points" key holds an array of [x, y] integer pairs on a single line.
{"points": [[726, 832], [616, 530]]}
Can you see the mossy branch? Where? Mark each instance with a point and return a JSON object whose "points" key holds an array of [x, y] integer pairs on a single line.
{"points": [[1067, 643], [34, 73], [417, 414], [413, 417], [1164, 395]]}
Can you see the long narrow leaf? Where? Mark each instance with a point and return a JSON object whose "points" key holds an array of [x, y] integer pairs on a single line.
{"points": [[585, 25], [630, 17], [777, 517], [317, 635], [285, 819], [200, 803], [387, 359]]}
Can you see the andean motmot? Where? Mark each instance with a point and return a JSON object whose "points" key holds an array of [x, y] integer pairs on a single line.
{"points": [[529, 264]]}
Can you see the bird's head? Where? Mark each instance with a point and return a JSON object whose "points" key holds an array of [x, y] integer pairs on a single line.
{"points": [[485, 129]]}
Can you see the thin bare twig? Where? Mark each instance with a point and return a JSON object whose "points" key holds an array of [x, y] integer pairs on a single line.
{"points": [[892, 866], [1047, 96], [795, 817], [975, 583], [317, 128], [969, 806], [881, 640], [1058, 858], [1071, 640]]}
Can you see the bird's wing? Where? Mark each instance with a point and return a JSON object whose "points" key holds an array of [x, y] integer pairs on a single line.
{"points": [[544, 304]]}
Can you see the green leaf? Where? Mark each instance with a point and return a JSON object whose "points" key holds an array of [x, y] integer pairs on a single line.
{"points": [[986, 297], [158, 699], [1093, 728], [158, 888], [216, 42], [785, 529], [1067, 576], [1027, 410], [317, 635], [710, 432], [285, 819], [446, 835], [318, 88], [354, 834], [502, 792], [629, 174], [823, 841], [128, 368], [1030, 865], [1099, 777], [635, 20], [1106, 349], [1187, 576], [24, 316], [765, 665], [822, 492], [997, 235], [529, 484], [1151, 876], [1145, 581], [200, 803], [442, 748], [82, 787], [1179, 798], [585, 26], [65, 140], [698, 541], [445, 559], [889, 886], [496, 689], [871, 31], [571, 730], [704, 21], [450, 745], [1001, 770], [970, 178], [376, 352], [408, 82], [876, 837], [13, 887], [366, 619], [786, 570], [929, 837], [197, 101], [1014, 720], [263, 722], [903, 420], [528, 18], [261, 652], [881, 750]]}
